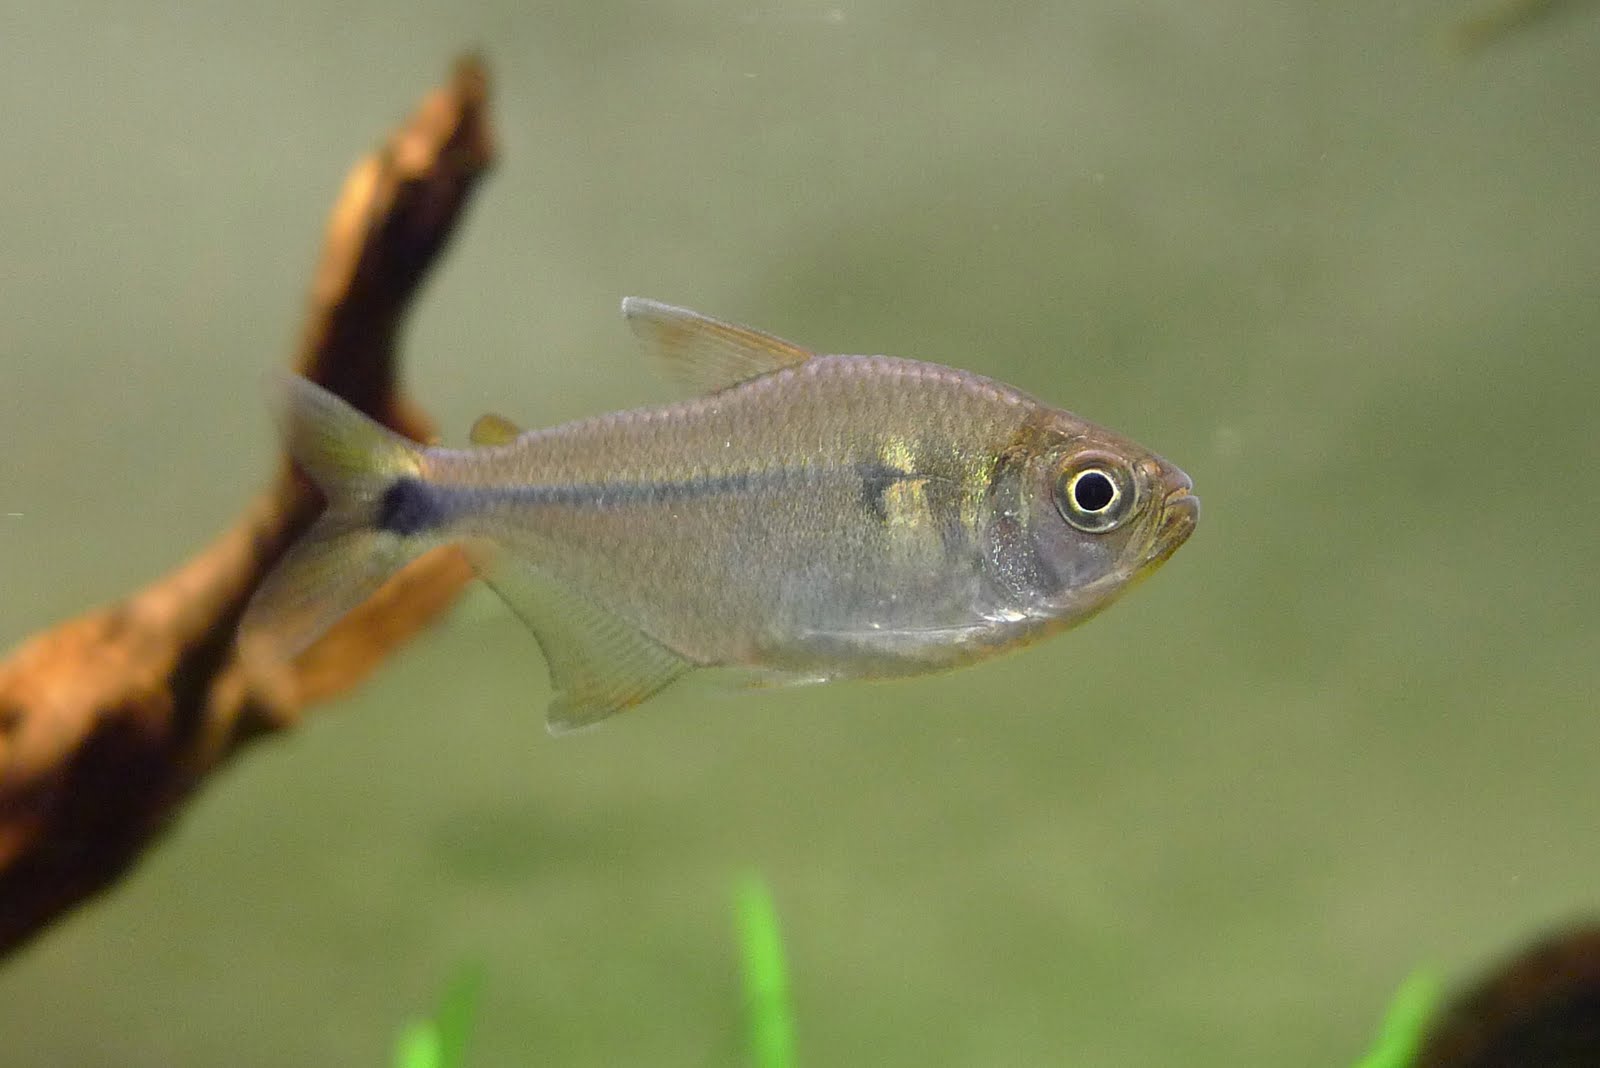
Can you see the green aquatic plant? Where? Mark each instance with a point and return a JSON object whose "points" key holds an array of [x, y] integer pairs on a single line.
{"points": [[769, 1017], [440, 1041], [1404, 1025]]}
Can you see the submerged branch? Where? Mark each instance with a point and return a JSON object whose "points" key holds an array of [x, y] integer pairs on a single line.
{"points": [[110, 721]]}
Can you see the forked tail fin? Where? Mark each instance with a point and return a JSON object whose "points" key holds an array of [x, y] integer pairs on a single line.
{"points": [[371, 478]]}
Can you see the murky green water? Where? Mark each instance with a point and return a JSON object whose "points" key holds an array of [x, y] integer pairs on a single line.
{"points": [[1344, 275]]}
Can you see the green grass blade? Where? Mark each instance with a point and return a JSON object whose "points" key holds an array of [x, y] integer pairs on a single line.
{"points": [[1405, 1023], [442, 1041], [418, 1046], [456, 1011], [769, 1020]]}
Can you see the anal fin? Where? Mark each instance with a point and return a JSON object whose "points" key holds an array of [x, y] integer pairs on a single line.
{"points": [[599, 664]]}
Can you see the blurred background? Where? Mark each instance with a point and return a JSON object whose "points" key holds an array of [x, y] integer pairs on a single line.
{"points": [[1339, 265]]}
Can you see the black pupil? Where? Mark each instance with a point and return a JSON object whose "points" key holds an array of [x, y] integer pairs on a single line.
{"points": [[1093, 491]]}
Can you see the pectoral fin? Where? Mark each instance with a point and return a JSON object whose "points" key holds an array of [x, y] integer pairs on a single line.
{"points": [[599, 663], [706, 354]]}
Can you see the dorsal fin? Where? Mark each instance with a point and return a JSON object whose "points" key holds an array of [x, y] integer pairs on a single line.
{"points": [[703, 353], [492, 429]]}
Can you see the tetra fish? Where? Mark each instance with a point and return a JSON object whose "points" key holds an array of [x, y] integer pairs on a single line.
{"points": [[805, 518]]}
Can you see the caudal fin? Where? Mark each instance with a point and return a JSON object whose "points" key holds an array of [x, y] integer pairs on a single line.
{"points": [[365, 471]]}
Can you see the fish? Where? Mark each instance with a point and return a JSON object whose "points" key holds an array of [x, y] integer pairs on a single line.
{"points": [[800, 518]]}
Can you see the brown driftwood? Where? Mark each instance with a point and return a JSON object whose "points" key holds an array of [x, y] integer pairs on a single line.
{"points": [[110, 721]]}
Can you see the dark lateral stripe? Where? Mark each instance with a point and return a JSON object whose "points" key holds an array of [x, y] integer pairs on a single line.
{"points": [[877, 479], [641, 492], [449, 501]]}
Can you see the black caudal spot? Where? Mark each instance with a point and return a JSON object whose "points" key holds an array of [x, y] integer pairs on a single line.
{"points": [[409, 507], [1093, 491]]}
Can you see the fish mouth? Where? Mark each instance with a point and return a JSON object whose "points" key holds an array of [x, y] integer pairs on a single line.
{"points": [[1180, 511]]}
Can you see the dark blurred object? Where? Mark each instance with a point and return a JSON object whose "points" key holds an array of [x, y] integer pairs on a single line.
{"points": [[1541, 1009], [1503, 20]]}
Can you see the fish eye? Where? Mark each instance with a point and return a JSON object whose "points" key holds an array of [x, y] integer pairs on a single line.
{"points": [[1093, 497], [1093, 491]]}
